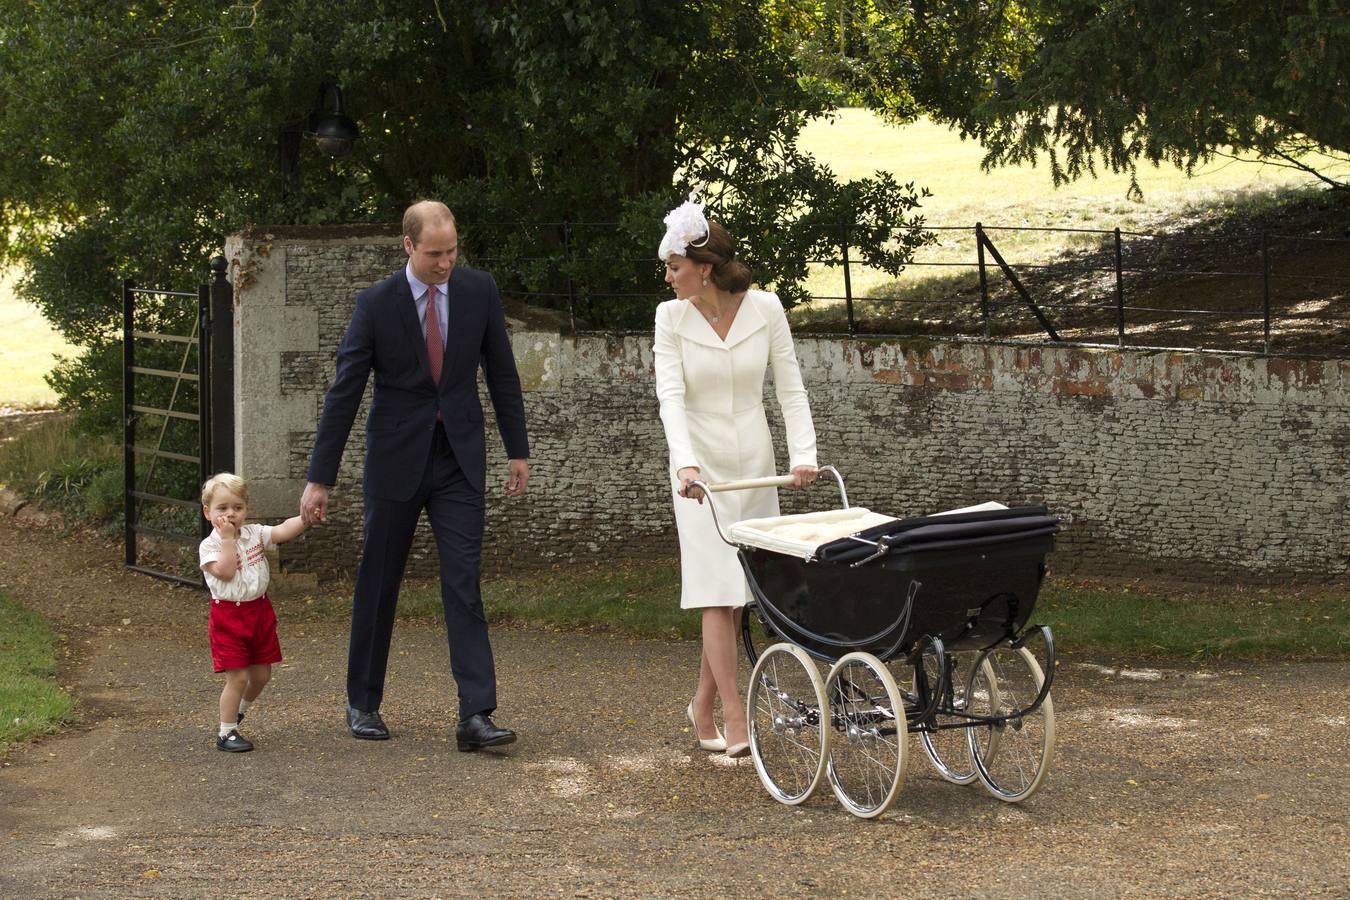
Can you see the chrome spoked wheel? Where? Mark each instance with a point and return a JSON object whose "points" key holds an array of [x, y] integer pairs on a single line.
{"points": [[1012, 754], [869, 742], [786, 710], [946, 745]]}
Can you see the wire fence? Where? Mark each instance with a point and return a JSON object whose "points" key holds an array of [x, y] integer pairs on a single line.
{"points": [[1253, 291]]}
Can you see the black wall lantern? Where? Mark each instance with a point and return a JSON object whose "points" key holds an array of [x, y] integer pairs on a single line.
{"points": [[332, 131]]}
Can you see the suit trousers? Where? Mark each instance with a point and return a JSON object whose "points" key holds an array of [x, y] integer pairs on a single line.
{"points": [[455, 510]]}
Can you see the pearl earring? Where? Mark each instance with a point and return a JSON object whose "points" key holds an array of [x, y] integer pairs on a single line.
{"points": [[705, 282]]}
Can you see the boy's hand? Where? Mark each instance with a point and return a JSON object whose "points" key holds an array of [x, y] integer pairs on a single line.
{"points": [[225, 527]]}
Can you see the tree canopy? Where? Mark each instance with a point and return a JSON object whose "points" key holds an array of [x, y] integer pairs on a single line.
{"points": [[1085, 83], [135, 135], [156, 124]]}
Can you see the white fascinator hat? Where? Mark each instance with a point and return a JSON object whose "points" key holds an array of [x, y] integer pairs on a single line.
{"points": [[686, 226]]}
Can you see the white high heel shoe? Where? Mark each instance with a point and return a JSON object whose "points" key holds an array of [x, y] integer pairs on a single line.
{"points": [[738, 751], [715, 745]]}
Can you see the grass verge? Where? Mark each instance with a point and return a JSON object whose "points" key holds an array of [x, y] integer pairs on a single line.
{"points": [[31, 702], [639, 600], [76, 472], [1239, 625], [643, 601]]}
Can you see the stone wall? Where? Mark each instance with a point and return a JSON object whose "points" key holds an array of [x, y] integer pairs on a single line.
{"points": [[1192, 465]]}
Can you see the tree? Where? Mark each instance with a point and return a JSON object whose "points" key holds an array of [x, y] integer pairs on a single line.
{"points": [[1101, 82], [135, 135]]}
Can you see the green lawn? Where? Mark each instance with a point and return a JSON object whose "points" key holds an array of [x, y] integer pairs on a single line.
{"points": [[1239, 624], [857, 143], [28, 350], [31, 702]]}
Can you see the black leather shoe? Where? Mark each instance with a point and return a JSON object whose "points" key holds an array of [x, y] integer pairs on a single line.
{"points": [[477, 732], [366, 726], [233, 742]]}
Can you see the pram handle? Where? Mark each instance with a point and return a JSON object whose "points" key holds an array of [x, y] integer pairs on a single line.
{"points": [[748, 483], [770, 481]]}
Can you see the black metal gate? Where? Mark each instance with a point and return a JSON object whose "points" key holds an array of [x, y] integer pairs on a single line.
{"points": [[177, 395]]}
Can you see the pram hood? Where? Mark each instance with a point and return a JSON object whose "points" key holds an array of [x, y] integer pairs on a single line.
{"points": [[984, 525]]}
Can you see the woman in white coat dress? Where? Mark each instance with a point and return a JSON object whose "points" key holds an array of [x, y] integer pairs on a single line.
{"points": [[713, 345]]}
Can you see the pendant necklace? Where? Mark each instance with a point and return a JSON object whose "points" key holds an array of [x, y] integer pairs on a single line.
{"points": [[712, 318]]}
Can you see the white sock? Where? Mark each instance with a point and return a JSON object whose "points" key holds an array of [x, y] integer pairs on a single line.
{"points": [[243, 707], [226, 728]]}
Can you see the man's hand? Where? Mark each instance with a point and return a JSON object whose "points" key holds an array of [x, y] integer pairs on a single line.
{"points": [[314, 503], [517, 476]]}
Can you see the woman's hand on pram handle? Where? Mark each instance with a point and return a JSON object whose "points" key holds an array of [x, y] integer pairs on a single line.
{"points": [[687, 476], [691, 484]]}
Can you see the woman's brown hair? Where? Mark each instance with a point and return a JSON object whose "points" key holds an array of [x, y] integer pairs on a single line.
{"points": [[719, 251]]}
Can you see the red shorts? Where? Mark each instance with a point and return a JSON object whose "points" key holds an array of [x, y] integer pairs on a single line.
{"points": [[243, 634]]}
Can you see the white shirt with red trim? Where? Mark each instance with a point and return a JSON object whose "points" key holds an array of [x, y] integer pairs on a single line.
{"points": [[250, 579]]}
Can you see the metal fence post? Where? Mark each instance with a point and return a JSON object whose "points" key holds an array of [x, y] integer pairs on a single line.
{"points": [[984, 282], [571, 287], [203, 394], [128, 421], [219, 367], [848, 281], [1120, 296], [1265, 289]]}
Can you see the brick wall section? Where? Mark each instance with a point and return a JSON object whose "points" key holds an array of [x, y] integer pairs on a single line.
{"points": [[1190, 465]]}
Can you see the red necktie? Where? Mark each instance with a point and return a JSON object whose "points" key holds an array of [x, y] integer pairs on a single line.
{"points": [[435, 349]]}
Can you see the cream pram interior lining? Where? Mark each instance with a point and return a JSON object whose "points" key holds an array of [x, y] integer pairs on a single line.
{"points": [[799, 535]]}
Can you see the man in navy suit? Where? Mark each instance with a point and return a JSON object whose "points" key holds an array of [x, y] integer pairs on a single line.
{"points": [[423, 332]]}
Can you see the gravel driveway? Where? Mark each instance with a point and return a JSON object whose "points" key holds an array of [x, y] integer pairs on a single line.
{"points": [[1168, 778]]}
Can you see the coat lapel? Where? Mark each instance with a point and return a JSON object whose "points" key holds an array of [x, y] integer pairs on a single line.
{"points": [[691, 325], [749, 319], [405, 310], [454, 312]]}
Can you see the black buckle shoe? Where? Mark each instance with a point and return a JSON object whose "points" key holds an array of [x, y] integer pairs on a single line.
{"points": [[477, 732], [234, 742], [366, 726]]}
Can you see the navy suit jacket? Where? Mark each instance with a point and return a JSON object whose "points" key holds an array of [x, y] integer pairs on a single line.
{"points": [[385, 337]]}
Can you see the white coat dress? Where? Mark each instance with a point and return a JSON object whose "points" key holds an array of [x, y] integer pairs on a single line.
{"points": [[712, 406]]}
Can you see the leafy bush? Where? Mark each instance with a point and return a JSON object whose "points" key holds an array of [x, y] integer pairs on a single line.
{"points": [[67, 466], [67, 479]]}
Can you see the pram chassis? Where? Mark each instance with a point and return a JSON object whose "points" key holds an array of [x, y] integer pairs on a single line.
{"points": [[970, 673]]}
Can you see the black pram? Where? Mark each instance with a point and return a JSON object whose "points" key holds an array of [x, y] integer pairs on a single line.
{"points": [[944, 599]]}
